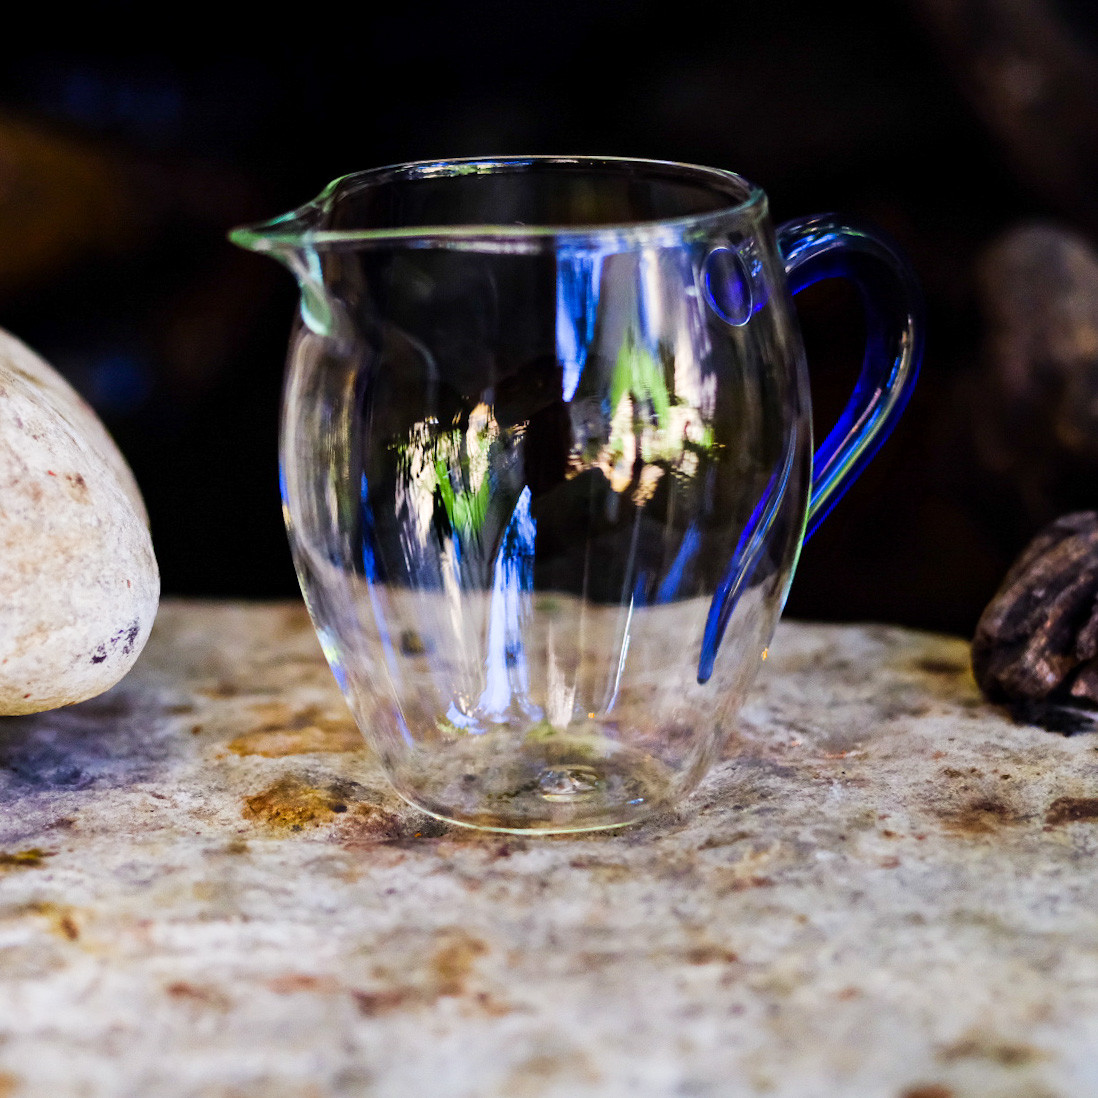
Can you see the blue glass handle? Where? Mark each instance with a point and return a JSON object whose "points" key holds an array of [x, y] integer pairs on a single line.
{"points": [[827, 246]]}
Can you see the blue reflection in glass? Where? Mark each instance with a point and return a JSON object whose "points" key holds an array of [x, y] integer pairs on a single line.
{"points": [[728, 286], [369, 562], [669, 588], [578, 274], [512, 580], [745, 560]]}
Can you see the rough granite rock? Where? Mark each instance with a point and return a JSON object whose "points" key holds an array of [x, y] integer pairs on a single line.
{"points": [[79, 584], [884, 889]]}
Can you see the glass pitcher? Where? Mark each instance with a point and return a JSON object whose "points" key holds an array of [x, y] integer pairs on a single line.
{"points": [[547, 465]]}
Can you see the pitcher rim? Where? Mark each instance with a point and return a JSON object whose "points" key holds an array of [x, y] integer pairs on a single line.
{"points": [[296, 229]]}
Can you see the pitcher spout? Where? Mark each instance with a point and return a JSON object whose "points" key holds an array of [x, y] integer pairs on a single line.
{"points": [[282, 237], [291, 239]]}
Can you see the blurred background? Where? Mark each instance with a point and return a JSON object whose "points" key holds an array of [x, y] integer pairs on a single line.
{"points": [[132, 139]]}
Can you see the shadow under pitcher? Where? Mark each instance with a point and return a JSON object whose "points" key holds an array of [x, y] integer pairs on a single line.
{"points": [[547, 465]]}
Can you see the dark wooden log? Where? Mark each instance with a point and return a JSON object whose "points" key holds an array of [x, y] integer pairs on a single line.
{"points": [[1038, 638]]}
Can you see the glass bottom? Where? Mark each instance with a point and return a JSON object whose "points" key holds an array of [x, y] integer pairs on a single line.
{"points": [[496, 783]]}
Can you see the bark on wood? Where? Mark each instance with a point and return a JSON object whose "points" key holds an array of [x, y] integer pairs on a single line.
{"points": [[1038, 637]]}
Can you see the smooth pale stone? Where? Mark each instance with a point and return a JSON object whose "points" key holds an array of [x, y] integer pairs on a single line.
{"points": [[79, 584], [884, 889]]}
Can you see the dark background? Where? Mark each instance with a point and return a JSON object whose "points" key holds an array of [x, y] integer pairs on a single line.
{"points": [[129, 144]]}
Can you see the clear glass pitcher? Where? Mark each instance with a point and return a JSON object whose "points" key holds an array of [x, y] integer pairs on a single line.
{"points": [[547, 465]]}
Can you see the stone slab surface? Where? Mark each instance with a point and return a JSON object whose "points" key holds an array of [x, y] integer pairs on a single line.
{"points": [[206, 889]]}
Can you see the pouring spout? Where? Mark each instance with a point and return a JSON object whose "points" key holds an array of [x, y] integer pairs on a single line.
{"points": [[283, 237], [291, 239]]}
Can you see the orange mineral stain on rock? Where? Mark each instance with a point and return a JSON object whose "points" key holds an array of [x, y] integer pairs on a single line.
{"points": [[710, 954], [981, 816], [23, 859], [291, 804], [927, 1090], [219, 690], [9, 1085], [447, 974], [601, 869], [61, 920], [286, 731], [275, 743], [368, 824], [454, 960], [68, 928], [370, 1004], [1006, 1053], [564, 1070], [295, 983], [1066, 810], [201, 995]]}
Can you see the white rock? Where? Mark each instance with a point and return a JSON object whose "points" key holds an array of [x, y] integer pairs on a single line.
{"points": [[79, 584]]}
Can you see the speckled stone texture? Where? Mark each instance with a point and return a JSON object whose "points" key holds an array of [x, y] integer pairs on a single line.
{"points": [[78, 579], [206, 889]]}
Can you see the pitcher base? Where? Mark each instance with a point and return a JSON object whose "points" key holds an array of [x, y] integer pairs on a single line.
{"points": [[573, 784]]}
